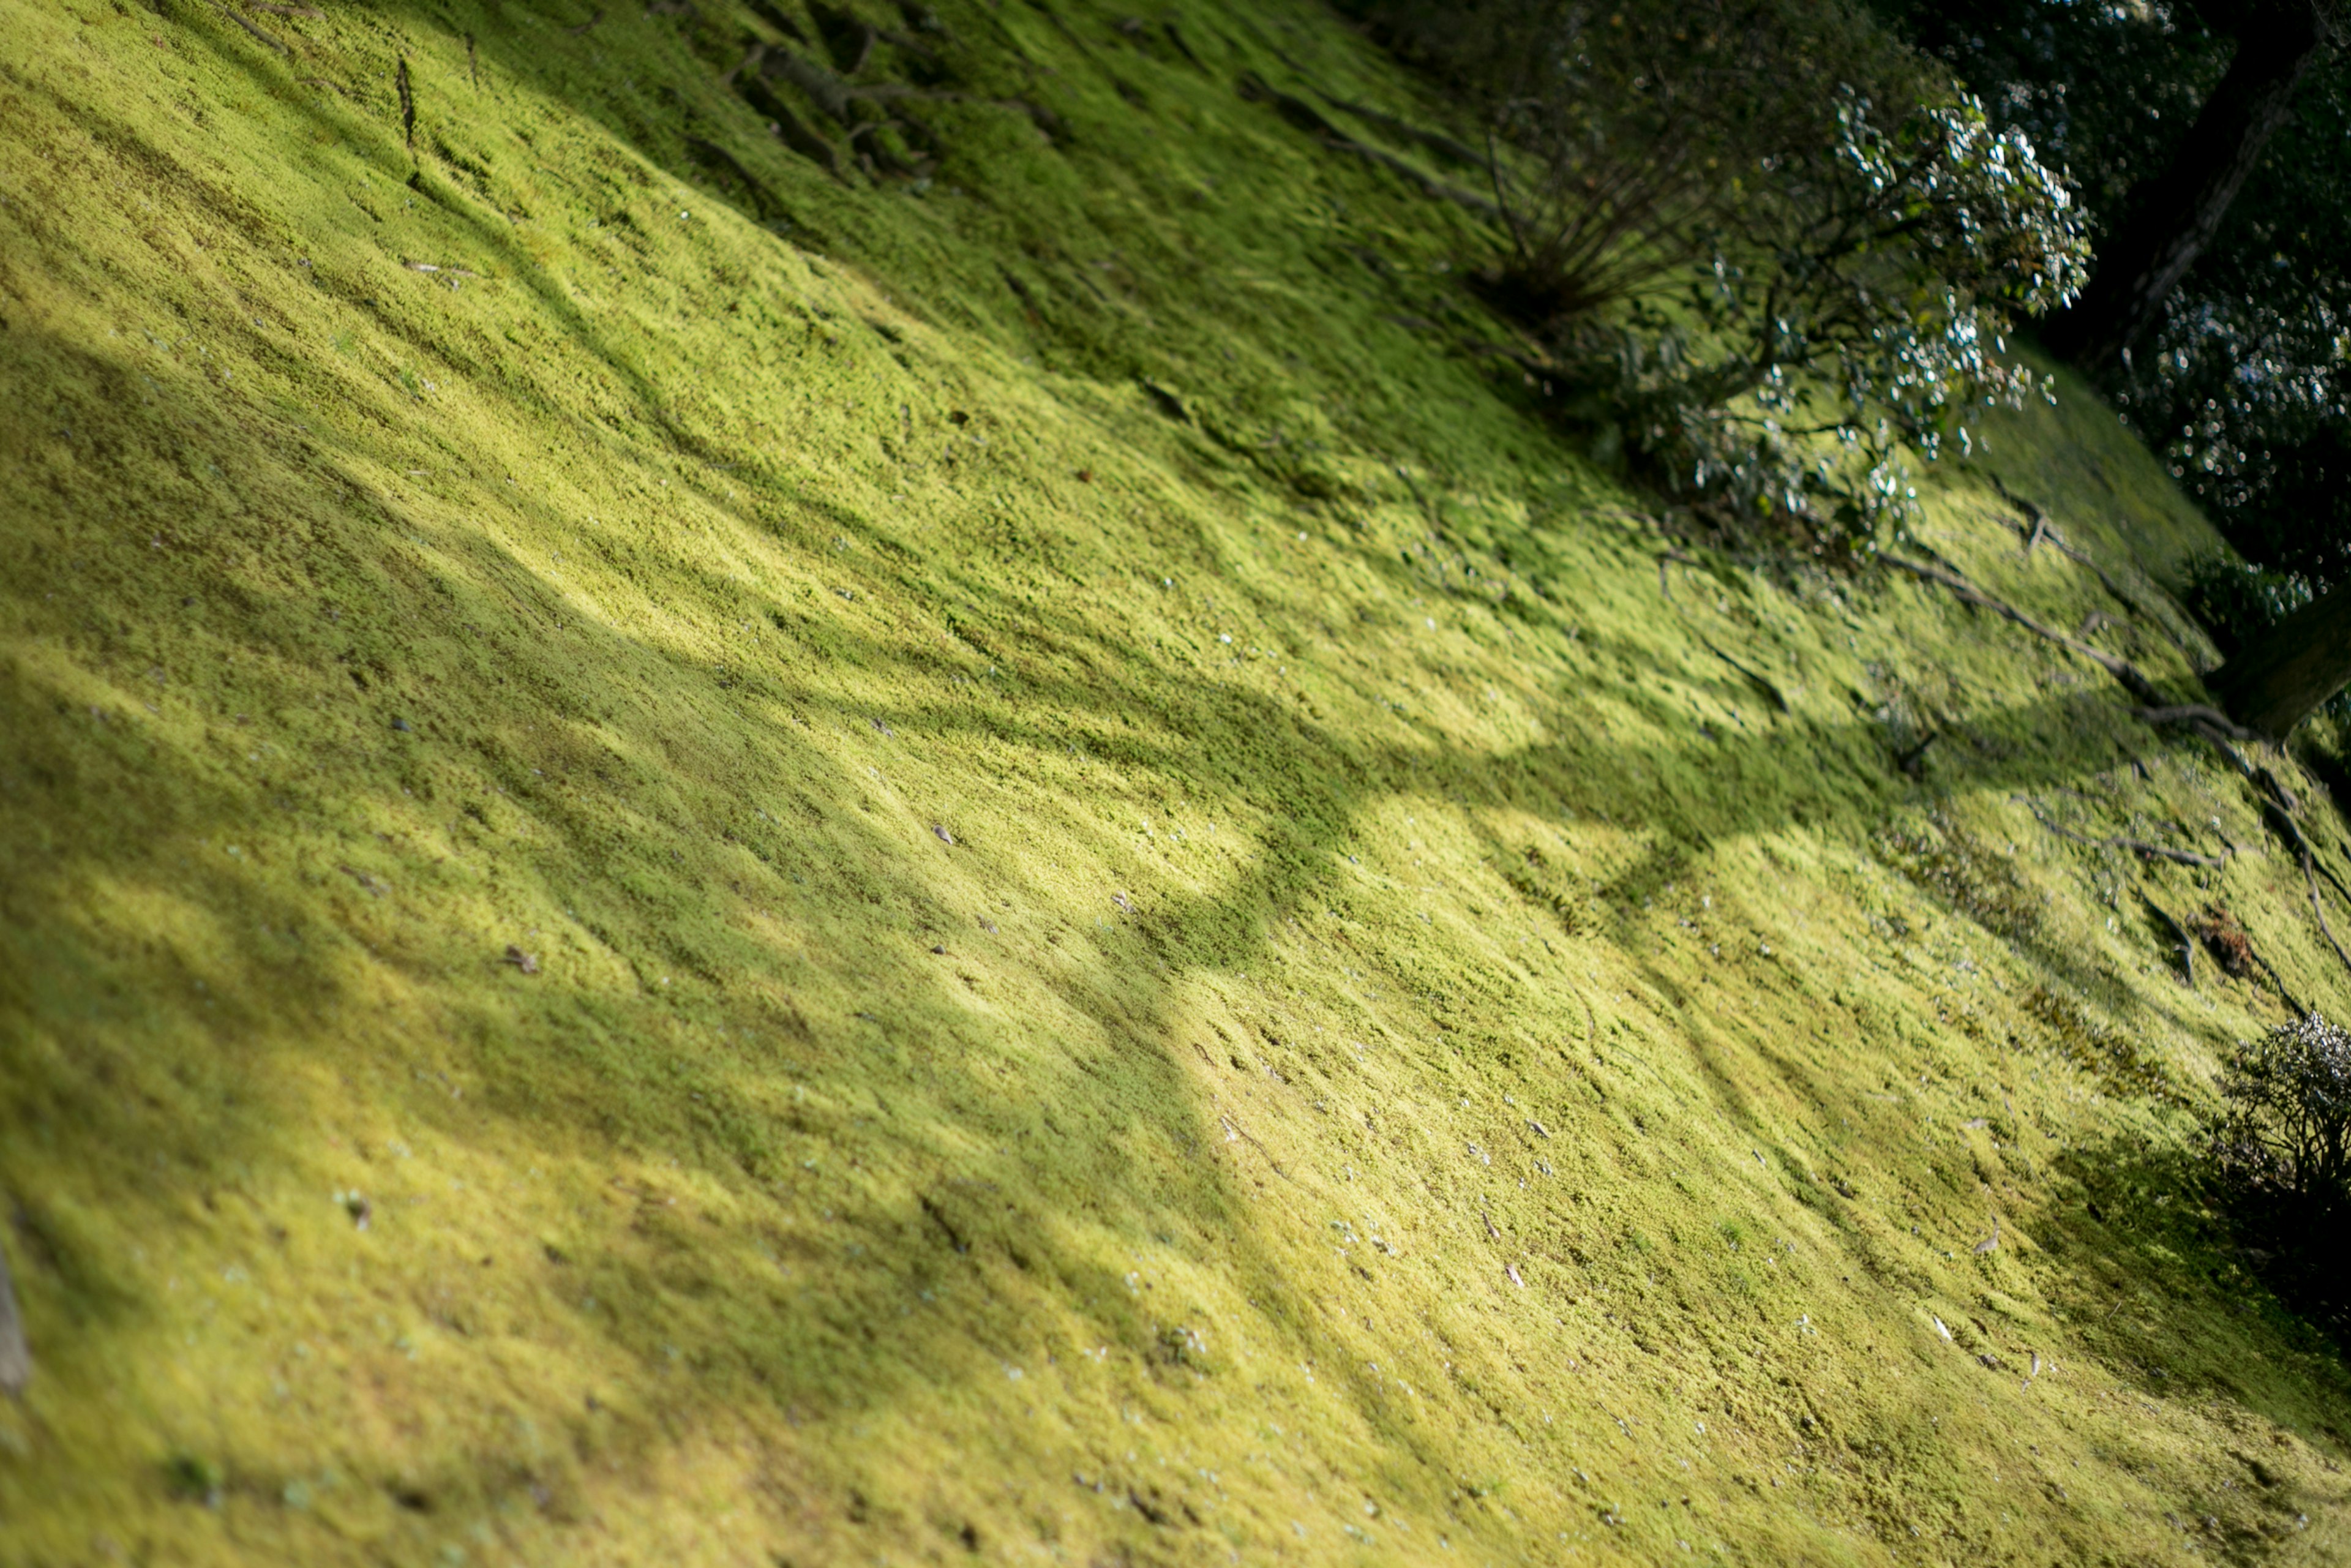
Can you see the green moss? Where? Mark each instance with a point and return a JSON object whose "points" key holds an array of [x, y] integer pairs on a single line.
{"points": [[908, 946]]}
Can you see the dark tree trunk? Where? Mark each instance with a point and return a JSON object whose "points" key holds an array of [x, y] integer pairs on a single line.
{"points": [[2173, 215], [2282, 676]]}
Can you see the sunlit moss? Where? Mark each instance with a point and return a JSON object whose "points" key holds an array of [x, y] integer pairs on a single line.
{"points": [[700, 889]]}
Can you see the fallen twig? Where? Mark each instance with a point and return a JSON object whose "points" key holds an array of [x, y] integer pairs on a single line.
{"points": [[1675, 557], [2123, 671], [2201, 714], [15, 1360], [1763, 687], [2152, 851], [1308, 119], [279, 45], [2044, 529], [2278, 804], [1437, 142], [1235, 1130], [2318, 906]]}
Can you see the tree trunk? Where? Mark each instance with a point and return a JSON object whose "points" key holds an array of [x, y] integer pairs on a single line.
{"points": [[2282, 676], [2173, 215]]}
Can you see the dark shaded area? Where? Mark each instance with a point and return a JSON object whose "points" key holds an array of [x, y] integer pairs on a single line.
{"points": [[2239, 381], [2179, 1282]]}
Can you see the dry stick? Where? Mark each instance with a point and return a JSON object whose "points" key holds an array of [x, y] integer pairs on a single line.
{"points": [[15, 1360], [1664, 586], [2290, 832], [2043, 529], [1429, 185], [2327, 871], [2318, 907], [2152, 851], [281, 47], [2203, 714], [2271, 970], [2194, 715], [2122, 670], [2277, 802], [1304, 115]]}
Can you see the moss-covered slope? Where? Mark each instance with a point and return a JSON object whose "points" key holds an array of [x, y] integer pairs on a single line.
{"points": [[711, 856]]}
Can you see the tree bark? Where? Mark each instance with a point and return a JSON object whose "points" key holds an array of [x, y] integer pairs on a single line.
{"points": [[2173, 215], [2284, 676]]}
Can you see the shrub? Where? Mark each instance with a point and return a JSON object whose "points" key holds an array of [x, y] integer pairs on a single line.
{"points": [[1764, 246], [1862, 302], [2283, 1134]]}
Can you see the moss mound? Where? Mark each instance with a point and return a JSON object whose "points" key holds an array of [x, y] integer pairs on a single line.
{"points": [[756, 819]]}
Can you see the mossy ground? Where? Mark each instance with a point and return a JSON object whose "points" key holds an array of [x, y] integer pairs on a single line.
{"points": [[1155, 931]]}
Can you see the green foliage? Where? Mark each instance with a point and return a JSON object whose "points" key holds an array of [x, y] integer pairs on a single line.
{"points": [[1858, 307], [2279, 1150], [2246, 387], [1764, 246], [2284, 1131], [2235, 599]]}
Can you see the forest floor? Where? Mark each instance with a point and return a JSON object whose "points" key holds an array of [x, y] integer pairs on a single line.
{"points": [[710, 855]]}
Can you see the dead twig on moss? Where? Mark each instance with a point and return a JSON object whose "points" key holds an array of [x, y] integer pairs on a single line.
{"points": [[2227, 936], [2318, 906], [2204, 715], [1675, 558], [279, 45], [2122, 670], [2217, 734], [2042, 528], [1761, 685], [2136, 846], [15, 1360], [1254, 89]]}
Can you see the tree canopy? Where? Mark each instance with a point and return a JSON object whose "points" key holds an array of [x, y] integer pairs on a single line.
{"points": [[2243, 378]]}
